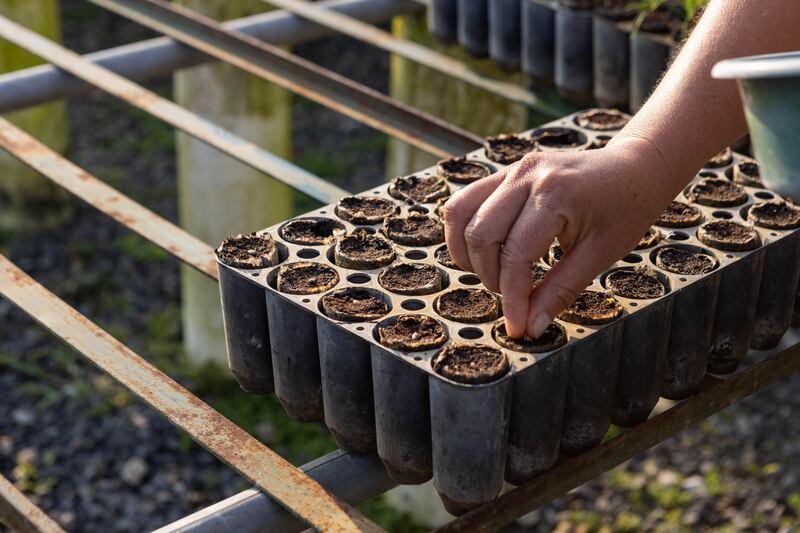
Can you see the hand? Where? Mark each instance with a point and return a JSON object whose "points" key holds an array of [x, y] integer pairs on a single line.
{"points": [[597, 203]]}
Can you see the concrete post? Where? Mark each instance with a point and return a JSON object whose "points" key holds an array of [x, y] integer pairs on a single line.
{"points": [[219, 196], [28, 200]]}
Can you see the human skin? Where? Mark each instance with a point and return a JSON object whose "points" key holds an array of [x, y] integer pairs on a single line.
{"points": [[599, 203]]}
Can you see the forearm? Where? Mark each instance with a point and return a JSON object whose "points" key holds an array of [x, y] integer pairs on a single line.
{"points": [[691, 116]]}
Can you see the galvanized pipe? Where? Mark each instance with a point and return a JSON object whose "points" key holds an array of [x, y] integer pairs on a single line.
{"points": [[352, 478], [161, 56]]}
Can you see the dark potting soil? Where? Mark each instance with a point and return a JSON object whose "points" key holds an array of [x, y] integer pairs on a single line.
{"points": [[553, 337], [248, 251], [717, 192], [599, 142], [361, 249], [471, 363], [722, 159], [747, 173], [468, 305], [411, 278], [418, 189], [306, 278], [439, 204], [650, 239], [729, 236], [593, 307], [412, 333], [776, 214], [353, 304], [462, 170], [683, 261], [680, 215], [444, 258], [560, 138], [365, 210], [415, 229], [311, 231], [635, 284], [554, 254], [507, 148], [601, 119], [538, 273]]}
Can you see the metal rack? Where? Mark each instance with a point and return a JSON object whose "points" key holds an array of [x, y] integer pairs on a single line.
{"points": [[321, 493]]}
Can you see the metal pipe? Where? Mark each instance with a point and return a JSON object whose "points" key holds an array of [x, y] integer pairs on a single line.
{"points": [[172, 113], [231, 444], [21, 514], [352, 478], [418, 53], [161, 56], [302, 77]]}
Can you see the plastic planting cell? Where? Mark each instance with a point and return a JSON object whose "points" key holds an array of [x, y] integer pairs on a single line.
{"points": [[354, 314]]}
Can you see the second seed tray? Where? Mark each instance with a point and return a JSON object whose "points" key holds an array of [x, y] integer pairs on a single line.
{"points": [[472, 437]]}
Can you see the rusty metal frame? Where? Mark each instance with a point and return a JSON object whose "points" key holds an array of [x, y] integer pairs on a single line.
{"points": [[420, 54], [21, 514], [297, 492], [302, 77], [171, 113]]}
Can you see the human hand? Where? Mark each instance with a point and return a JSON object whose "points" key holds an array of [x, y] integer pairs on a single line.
{"points": [[597, 203]]}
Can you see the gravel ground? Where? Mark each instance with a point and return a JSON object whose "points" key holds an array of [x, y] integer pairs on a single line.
{"points": [[98, 460]]}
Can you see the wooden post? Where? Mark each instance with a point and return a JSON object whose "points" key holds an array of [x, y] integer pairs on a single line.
{"points": [[28, 200], [455, 101], [219, 196]]}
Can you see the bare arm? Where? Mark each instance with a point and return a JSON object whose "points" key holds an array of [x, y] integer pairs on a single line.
{"points": [[599, 203]]}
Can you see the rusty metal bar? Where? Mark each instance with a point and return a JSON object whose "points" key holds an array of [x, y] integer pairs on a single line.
{"points": [[161, 56], [21, 514], [419, 54], [566, 476], [96, 193], [258, 464], [302, 77], [171, 113]]}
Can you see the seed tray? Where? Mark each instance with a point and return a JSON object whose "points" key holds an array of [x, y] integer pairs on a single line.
{"points": [[472, 437]]}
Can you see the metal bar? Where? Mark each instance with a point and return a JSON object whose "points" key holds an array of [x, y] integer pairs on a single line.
{"points": [[171, 113], [299, 76], [574, 472], [96, 193], [352, 478], [161, 56], [21, 514], [418, 53], [260, 465]]}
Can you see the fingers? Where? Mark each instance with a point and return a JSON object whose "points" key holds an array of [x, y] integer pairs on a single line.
{"points": [[561, 286], [459, 210], [490, 227], [528, 240]]}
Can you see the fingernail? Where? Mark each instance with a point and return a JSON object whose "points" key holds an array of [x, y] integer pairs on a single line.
{"points": [[540, 324]]}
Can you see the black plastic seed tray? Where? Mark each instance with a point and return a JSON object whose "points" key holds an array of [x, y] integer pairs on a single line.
{"points": [[472, 436]]}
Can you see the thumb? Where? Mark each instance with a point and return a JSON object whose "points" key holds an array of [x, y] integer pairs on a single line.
{"points": [[561, 287]]}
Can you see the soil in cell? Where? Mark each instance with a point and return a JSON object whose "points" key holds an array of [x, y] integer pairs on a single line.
{"points": [[306, 278], [722, 159], [311, 231], [444, 258], [362, 250], [415, 229], [636, 284], [353, 304], [365, 210], [680, 215], [248, 251], [650, 239], [507, 149], [418, 189], [557, 138], [412, 333], [553, 337], [601, 119], [470, 306], [684, 261], [538, 272], [717, 192], [593, 308], [775, 214], [471, 363], [747, 173], [411, 279], [729, 236], [462, 170]]}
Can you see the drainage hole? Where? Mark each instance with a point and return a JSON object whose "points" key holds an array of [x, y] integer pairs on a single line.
{"points": [[682, 279], [470, 333], [580, 330], [307, 253], [469, 279], [358, 278], [413, 305], [722, 214], [634, 304], [678, 236], [359, 328], [255, 274], [523, 359], [416, 255], [632, 258], [765, 195], [417, 358], [306, 300]]}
